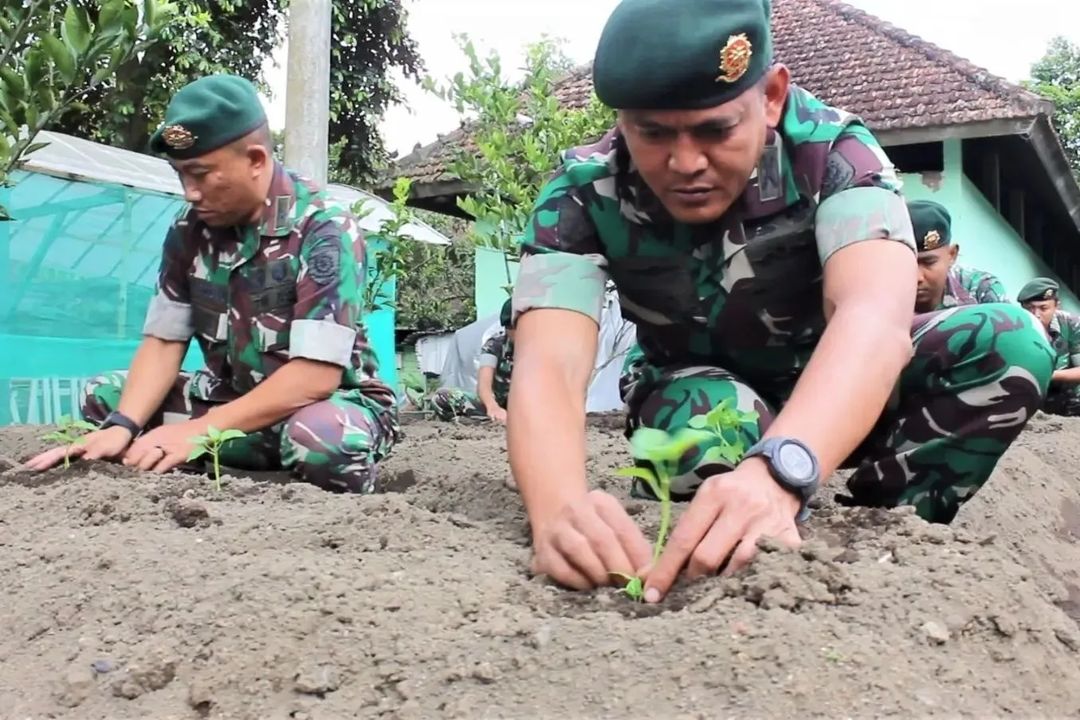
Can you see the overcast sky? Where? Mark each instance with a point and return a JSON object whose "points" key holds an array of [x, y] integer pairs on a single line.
{"points": [[990, 33]]}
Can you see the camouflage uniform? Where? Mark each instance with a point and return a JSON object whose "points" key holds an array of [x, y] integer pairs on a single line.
{"points": [[254, 298], [497, 352], [1064, 399], [733, 309], [965, 286]]}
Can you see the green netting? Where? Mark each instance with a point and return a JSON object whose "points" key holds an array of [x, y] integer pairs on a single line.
{"points": [[79, 264]]}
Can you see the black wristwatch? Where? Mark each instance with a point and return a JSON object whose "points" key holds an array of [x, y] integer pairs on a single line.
{"points": [[119, 419], [794, 466]]}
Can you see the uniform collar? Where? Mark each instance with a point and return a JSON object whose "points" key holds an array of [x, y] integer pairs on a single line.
{"points": [[1055, 325], [277, 217]]}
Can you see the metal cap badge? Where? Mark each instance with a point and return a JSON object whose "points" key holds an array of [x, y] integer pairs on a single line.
{"points": [[735, 58]]}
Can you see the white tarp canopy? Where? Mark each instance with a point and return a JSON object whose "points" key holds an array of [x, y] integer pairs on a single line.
{"points": [[73, 158], [617, 336]]}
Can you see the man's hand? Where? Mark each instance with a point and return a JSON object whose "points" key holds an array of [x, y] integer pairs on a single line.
{"points": [[497, 414], [98, 445], [726, 517], [588, 541], [164, 448]]}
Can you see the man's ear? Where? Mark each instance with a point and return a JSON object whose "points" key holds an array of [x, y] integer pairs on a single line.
{"points": [[954, 250], [259, 158], [777, 83]]}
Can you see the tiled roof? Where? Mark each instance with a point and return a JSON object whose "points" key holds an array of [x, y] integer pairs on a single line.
{"points": [[850, 59]]}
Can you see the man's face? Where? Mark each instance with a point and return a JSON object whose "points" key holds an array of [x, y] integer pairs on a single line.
{"points": [[224, 186], [1042, 309], [934, 266], [698, 162]]}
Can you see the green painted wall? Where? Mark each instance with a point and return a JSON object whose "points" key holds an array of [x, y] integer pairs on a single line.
{"points": [[490, 280], [987, 242]]}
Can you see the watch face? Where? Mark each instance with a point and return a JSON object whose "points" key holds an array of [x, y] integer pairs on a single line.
{"points": [[796, 462]]}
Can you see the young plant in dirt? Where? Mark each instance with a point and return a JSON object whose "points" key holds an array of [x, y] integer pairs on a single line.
{"points": [[210, 444], [662, 451], [69, 431]]}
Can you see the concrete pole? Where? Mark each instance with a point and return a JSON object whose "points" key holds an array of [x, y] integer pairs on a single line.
{"points": [[307, 94]]}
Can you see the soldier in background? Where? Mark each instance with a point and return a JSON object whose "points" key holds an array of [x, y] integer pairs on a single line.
{"points": [[492, 380], [942, 282], [1041, 298], [265, 273]]}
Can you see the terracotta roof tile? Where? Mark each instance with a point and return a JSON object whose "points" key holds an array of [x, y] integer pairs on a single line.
{"points": [[848, 58]]}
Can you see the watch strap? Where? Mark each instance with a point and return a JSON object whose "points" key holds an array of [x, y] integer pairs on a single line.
{"points": [[115, 419]]}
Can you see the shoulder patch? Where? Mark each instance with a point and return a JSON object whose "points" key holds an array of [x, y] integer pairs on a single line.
{"points": [[324, 263]]}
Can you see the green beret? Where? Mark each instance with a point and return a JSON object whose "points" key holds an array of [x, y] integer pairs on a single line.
{"points": [[681, 54], [506, 313], [932, 224], [208, 114], [1038, 289]]}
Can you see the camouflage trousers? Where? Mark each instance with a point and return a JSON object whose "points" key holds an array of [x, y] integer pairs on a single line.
{"points": [[450, 403], [334, 444], [978, 374]]}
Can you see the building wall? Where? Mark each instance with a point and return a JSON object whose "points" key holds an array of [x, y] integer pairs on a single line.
{"points": [[987, 241], [490, 279]]}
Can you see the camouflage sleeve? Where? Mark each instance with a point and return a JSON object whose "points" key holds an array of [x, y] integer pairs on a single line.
{"points": [[1074, 340], [169, 315], [328, 288], [562, 264], [860, 197], [492, 350], [989, 290]]}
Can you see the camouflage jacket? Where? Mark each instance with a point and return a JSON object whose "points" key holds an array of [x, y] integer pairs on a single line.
{"points": [[256, 296], [1064, 334], [971, 287], [743, 293], [498, 353]]}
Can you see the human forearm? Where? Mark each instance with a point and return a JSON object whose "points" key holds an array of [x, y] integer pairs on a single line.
{"points": [[546, 441], [293, 386], [484, 390], [837, 401], [1068, 376], [151, 376]]}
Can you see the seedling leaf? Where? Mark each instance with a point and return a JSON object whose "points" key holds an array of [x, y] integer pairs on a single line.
{"points": [[231, 435]]}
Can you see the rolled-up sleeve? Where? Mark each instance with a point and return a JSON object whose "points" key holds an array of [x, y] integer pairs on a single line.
{"points": [[860, 199], [169, 315], [562, 265], [327, 312]]}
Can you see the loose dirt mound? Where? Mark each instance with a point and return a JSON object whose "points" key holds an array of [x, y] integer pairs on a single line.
{"points": [[130, 596]]}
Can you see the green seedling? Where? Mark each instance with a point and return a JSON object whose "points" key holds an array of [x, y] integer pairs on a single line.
{"points": [[69, 432], [210, 444], [728, 425], [661, 452]]}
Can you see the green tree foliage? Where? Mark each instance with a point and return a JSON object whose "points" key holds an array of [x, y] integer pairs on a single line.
{"points": [[237, 36], [1057, 77], [54, 58], [519, 132]]}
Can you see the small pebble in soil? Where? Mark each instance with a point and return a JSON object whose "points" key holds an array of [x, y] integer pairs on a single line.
{"points": [[314, 679], [936, 632], [103, 666], [189, 513]]}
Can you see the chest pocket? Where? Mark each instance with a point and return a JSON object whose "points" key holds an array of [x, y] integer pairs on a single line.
{"points": [[272, 297], [657, 291], [775, 283], [209, 309]]}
